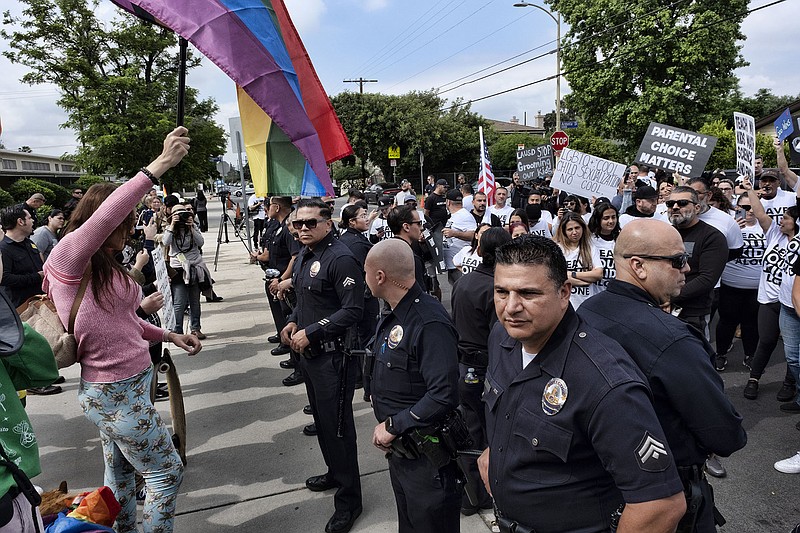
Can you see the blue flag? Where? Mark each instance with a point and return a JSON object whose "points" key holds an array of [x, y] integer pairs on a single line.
{"points": [[783, 126]]}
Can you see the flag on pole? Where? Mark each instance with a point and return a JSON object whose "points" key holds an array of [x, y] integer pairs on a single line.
{"points": [[246, 40], [486, 176]]}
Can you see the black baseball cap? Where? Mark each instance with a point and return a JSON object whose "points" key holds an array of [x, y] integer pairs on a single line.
{"points": [[384, 201], [645, 193], [454, 195], [442, 182]]}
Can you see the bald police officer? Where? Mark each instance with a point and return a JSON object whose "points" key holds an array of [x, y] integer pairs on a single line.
{"points": [[688, 394], [414, 387], [572, 432]]}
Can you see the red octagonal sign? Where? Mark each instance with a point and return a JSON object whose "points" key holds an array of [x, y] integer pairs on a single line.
{"points": [[559, 140]]}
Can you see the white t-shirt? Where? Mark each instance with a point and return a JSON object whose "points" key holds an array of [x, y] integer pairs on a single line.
{"points": [[466, 202], [261, 214], [378, 224], [745, 271], [581, 294], [777, 206], [461, 220], [625, 218], [769, 283], [606, 250], [527, 357], [467, 261], [726, 224], [787, 278], [541, 228], [503, 213]]}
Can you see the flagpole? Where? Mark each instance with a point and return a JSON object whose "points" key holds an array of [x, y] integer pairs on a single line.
{"points": [[183, 45]]}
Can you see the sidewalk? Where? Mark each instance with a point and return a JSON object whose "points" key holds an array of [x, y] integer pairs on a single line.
{"points": [[247, 456]]}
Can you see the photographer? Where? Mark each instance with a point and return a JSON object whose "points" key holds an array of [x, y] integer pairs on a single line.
{"points": [[255, 208], [192, 276]]}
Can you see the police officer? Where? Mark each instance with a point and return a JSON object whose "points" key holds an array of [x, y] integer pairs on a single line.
{"points": [[414, 386], [473, 317], [688, 394], [329, 284], [572, 432]]}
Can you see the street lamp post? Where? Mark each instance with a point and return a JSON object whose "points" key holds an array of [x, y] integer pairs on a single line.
{"points": [[557, 20]]}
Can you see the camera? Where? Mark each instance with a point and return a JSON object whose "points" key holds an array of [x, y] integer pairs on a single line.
{"points": [[184, 216]]}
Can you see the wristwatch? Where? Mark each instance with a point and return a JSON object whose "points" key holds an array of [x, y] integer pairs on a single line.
{"points": [[390, 426], [574, 274]]}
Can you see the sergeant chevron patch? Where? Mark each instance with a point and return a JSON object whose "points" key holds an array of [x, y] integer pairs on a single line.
{"points": [[651, 454]]}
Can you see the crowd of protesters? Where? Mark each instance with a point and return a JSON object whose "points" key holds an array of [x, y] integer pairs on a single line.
{"points": [[686, 248]]}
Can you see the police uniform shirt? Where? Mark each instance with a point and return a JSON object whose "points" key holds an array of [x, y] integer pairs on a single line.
{"points": [[573, 434], [329, 284], [473, 313], [415, 378], [279, 242], [688, 394], [356, 243]]}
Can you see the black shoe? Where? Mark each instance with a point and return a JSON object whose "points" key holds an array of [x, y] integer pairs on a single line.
{"points": [[214, 298], [714, 467], [308, 410], [787, 392], [295, 378], [342, 521], [45, 391], [274, 339], [720, 362], [751, 389], [790, 407], [162, 395], [320, 483], [59, 380], [310, 431], [280, 350], [287, 364]]}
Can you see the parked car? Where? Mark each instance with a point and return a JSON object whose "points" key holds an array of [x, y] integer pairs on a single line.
{"points": [[373, 192], [248, 189]]}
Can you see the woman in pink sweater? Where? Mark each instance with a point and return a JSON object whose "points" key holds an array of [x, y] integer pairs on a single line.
{"points": [[113, 341]]}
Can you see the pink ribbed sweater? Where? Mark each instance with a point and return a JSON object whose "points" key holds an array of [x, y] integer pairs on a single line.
{"points": [[112, 342]]}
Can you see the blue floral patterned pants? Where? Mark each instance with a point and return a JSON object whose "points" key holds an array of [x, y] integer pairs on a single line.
{"points": [[135, 439]]}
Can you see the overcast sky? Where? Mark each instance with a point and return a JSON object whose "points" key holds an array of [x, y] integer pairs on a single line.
{"points": [[410, 45]]}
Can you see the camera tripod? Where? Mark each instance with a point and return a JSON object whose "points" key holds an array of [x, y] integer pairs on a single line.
{"points": [[238, 229]]}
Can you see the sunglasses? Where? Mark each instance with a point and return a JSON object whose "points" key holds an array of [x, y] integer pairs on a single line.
{"points": [[681, 203], [331, 204], [677, 261], [311, 223], [746, 207], [418, 222]]}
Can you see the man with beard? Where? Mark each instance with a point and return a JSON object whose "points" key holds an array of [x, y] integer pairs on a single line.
{"points": [[478, 211], [645, 200]]}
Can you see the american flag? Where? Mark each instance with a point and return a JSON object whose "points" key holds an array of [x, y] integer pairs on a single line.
{"points": [[486, 176]]}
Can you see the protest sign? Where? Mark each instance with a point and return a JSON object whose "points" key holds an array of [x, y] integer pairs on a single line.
{"points": [[745, 144], [162, 282], [587, 175], [534, 162], [783, 126], [675, 150]]}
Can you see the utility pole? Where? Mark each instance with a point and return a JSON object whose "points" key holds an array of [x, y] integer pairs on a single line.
{"points": [[360, 82]]}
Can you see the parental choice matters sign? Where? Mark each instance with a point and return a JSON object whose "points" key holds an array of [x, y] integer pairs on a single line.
{"points": [[675, 150], [587, 175]]}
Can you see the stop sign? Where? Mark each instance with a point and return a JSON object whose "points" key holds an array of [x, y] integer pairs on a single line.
{"points": [[559, 140]]}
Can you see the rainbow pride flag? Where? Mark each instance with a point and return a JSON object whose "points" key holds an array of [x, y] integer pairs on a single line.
{"points": [[257, 46]]}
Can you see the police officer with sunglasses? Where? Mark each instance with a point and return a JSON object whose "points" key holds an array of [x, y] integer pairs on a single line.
{"points": [[688, 394], [329, 284]]}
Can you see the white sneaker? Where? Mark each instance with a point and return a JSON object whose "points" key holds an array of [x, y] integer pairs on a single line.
{"points": [[790, 465]]}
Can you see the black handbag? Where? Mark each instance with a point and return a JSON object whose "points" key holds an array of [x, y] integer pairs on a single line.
{"points": [[11, 333]]}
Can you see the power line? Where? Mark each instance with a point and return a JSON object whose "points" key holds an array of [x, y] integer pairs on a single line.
{"points": [[390, 41], [595, 35], [406, 40], [534, 58], [588, 64], [487, 36]]}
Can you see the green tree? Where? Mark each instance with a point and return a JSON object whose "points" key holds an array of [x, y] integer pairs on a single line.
{"points": [[761, 104], [5, 199], [724, 154], [118, 85], [630, 63], [503, 151], [416, 121]]}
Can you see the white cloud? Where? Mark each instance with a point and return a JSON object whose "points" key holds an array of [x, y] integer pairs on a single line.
{"points": [[307, 15], [375, 5]]}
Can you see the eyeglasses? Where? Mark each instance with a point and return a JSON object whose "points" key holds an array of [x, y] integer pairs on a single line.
{"points": [[418, 222], [77, 192], [311, 223], [746, 207], [677, 261], [681, 203]]}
